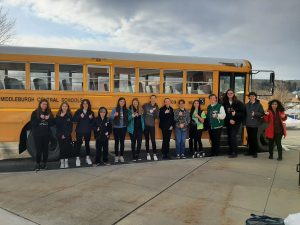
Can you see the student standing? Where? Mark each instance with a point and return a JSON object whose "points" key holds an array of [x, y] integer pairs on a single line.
{"points": [[216, 115], [274, 117], [64, 127], [151, 113], [182, 120], [235, 112], [41, 121], [166, 124], [102, 131], [197, 117], [84, 118], [254, 117], [135, 127], [119, 118]]}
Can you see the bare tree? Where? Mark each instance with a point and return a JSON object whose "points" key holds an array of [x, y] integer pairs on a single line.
{"points": [[6, 27], [281, 92]]}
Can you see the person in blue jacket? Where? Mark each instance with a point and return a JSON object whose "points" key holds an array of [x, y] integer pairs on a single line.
{"points": [[84, 117], [135, 127], [64, 127], [119, 118]]}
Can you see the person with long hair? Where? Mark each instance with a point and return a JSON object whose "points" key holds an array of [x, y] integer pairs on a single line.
{"points": [[235, 112], [166, 124], [84, 118], [182, 120], [254, 116], [197, 117], [151, 113], [274, 117], [119, 118], [41, 121], [102, 131], [135, 127], [64, 127], [216, 115]]}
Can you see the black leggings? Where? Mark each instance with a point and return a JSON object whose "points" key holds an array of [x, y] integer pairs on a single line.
{"points": [[101, 146], [119, 135], [232, 131], [65, 147], [166, 142], [41, 145], [150, 131], [277, 139], [136, 143], [215, 136], [87, 138], [252, 140], [195, 143]]}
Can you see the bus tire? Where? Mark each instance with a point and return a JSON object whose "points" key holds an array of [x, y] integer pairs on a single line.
{"points": [[263, 143], [53, 150]]}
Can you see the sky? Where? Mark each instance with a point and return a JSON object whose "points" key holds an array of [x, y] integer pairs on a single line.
{"points": [[265, 32]]}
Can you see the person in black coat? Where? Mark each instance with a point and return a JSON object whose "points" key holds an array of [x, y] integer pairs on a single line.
{"points": [[64, 127], [102, 131], [235, 113], [41, 121], [84, 117], [166, 124]]}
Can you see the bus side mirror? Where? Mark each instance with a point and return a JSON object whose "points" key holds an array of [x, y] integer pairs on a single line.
{"points": [[272, 81]]}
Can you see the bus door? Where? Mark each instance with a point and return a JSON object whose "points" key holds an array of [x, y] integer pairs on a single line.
{"points": [[236, 82]]}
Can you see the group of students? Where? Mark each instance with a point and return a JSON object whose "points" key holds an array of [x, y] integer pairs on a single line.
{"points": [[140, 119]]}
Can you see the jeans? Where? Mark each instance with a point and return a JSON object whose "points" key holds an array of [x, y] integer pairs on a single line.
{"points": [[180, 140], [41, 144], [87, 138], [150, 131], [119, 135]]}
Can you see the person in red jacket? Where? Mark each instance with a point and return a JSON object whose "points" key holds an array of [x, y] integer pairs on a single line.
{"points": [[274, 117]]}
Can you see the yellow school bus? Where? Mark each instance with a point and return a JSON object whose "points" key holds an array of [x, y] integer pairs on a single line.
{"points": [[28, 74]]}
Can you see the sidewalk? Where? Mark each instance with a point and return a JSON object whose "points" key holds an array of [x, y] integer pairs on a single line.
{"points": [[208, 191]]}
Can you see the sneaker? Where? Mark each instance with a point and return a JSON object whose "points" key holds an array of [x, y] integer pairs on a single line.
{"points": [[182, 156], [37, 167], [88, 160], [155, 157], [66, 163], [62, 164], [139, 159], [121, 158], [116, 159], [78, 162], [178, 156], [106, 163], [254, 155], [134, 160], [148, 157]]}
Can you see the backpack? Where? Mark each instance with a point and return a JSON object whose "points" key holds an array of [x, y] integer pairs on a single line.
{"points": [[264, 220]]}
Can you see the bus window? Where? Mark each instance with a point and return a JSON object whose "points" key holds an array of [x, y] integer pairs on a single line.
{"points": [[98, 78], [12, 75], [149, 81], [239, 87], [42, 76], [124, 80], [173, 81], [199, 82], [70, 77]]}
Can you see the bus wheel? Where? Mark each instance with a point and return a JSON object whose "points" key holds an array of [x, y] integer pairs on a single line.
{"points": [[263, 143], [53, 149]]}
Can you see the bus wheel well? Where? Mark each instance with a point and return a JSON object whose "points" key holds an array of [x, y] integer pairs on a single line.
{"points": [[23, 137]]}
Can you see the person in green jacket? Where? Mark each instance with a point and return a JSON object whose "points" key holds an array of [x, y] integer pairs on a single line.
{"points": [[135, 127], [216, 115]]}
